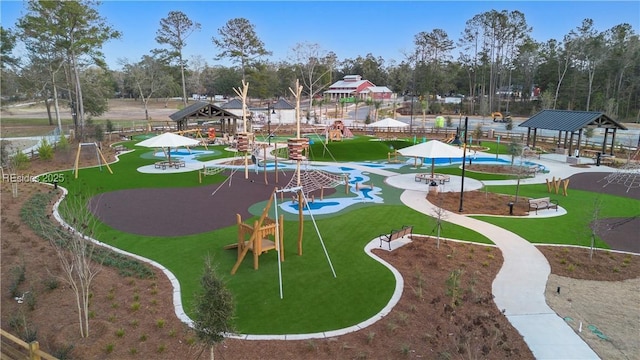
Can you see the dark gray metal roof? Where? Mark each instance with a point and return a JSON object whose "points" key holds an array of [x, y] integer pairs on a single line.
{"points": [[201, 109], [283, 104], [233, 104], [571, 121]]}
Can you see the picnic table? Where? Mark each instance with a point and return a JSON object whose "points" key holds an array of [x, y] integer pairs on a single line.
{"points": [[428, 178], [169, 164]]}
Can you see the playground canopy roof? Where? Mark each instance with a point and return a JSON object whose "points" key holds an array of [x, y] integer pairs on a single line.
{"points": [[571, 121], [387, 122]]}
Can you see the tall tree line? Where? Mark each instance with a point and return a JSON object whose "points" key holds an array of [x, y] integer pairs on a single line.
{"points": [[499, 67]]}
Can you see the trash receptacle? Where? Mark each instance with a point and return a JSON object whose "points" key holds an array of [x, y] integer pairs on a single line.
{"points": [[433, 188], [491, 133]]}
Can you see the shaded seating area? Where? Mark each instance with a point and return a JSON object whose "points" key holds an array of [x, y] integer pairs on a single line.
{"points": [[570, 126]]}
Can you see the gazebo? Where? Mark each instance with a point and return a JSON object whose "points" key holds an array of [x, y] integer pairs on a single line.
{"points": [[204, 111], [568, 123]]}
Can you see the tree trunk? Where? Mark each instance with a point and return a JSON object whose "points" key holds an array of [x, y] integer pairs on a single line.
{"points": [[48, 106], [184, 87]]}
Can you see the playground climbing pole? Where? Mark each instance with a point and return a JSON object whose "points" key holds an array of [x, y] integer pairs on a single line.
{"points": [[296, 148], [243, 138]]}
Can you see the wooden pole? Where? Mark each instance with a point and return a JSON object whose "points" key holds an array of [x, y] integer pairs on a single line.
{"points": [[77, 160]]}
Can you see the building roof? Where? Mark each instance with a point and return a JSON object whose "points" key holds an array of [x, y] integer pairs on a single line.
{"points": [[571, 121], [377, 89], [282, 104], [201, 109], [349, 82], [233, 104]]}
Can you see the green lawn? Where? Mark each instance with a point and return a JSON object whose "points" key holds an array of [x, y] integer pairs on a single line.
{"points": [[572, 228], [313, 299]]}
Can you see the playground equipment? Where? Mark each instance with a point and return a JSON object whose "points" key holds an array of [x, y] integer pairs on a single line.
{"points": [[99, 155], [338, 130], [209, 171], [499, 117], [244, 137], [392, 158], [555, 185], [197, 134], [265, 234]]}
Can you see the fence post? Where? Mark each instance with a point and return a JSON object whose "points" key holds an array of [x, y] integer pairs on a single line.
{"points": [[34, 348]]}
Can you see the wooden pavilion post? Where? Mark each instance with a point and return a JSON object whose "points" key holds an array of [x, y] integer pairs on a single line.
{"points": [[604, 140], [613, 141]]}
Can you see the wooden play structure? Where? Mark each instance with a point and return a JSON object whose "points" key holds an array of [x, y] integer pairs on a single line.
{"points": [[555, 185], [197, 134], [338, 131], [99, 155], [265, 234], [392, 157], [245, 137]]}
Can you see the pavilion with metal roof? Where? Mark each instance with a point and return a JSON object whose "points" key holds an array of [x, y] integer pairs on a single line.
{"points": [[204, 111], [569, 124]]}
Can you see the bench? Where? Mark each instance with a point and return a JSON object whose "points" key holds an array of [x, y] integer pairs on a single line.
{"points": [[543, 203], [396, 234]]}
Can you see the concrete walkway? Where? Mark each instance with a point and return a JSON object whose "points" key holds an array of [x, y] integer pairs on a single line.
{"points": [[519, 287]]}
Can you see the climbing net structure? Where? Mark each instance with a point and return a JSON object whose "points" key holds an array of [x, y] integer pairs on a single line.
{"points": [[628, 175], [311, 180]]}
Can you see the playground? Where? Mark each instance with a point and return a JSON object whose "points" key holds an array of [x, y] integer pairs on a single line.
{"points": [[178, 220]]}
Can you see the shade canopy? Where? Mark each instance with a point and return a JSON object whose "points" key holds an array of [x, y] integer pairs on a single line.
{"points": [[169, 140], [433, 149], [388, 123]]}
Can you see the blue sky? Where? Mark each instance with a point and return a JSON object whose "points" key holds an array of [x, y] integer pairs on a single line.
{"points": [[348, 28]]}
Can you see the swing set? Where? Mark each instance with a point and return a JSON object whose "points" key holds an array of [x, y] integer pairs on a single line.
{"points": [[99, 156]]}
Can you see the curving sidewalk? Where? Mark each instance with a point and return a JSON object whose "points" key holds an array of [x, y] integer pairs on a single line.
{"points": [[519, 288]]}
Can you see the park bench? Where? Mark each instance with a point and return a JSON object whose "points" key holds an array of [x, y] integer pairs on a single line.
{"points": [[396, 234], [542, 203]]}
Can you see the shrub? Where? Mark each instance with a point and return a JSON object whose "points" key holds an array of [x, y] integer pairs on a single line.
{"points": [[20, 160], [98, 132], [51, 283], [63, 144], [45, 150]]}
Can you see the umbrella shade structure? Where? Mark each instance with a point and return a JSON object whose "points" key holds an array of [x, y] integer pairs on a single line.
{"points": [[433, 149], [388, 123], [168, 140]]}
